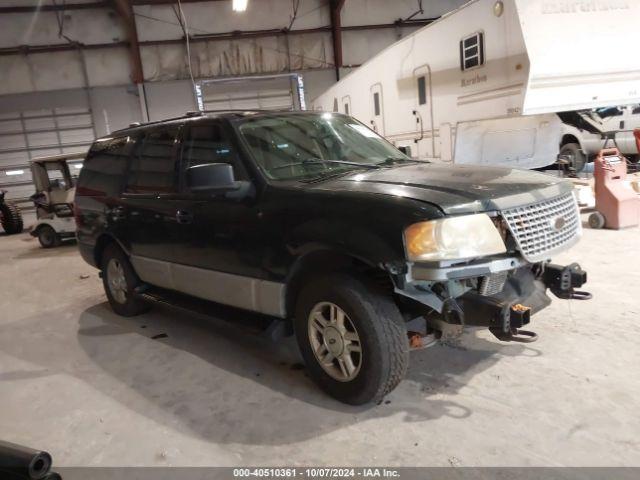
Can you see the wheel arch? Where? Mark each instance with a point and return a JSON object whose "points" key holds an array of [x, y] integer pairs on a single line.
{"points": [[569, 138], [102, 243], [322, 259]]}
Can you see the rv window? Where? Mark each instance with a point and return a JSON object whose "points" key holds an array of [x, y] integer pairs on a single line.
{"points": [[346, 108], [472, 51], [335, 104], [422, 91], [376, 104]]}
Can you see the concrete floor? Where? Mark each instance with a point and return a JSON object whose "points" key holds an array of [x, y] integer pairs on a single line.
{"points": [[96, 389]]}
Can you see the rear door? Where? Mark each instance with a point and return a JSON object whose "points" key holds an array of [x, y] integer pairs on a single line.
{"points": [[147, 209]]}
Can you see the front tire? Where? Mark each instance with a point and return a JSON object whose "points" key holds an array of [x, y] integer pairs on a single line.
{"points": [[352, 338], [577, 158], [120, 280]]}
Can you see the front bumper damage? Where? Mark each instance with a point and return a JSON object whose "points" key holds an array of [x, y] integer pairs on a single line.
{"points": [[504, 312]]}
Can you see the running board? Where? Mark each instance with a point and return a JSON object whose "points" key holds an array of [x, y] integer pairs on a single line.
{"points": [[255, 323]]}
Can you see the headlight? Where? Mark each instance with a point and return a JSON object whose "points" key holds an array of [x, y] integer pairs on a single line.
{"points": [[453, 238]]}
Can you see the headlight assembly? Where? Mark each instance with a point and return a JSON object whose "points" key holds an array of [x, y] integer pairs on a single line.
{"points": [[453, 238]]}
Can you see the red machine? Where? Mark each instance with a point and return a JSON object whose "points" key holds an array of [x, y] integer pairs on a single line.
{"points": [[617, 204]]}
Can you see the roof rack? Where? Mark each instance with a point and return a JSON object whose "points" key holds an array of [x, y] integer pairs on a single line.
{"points": [[199, 113]]}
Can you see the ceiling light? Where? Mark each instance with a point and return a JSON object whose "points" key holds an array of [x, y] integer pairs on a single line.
{"points": [[14, 172], [239, 5]]}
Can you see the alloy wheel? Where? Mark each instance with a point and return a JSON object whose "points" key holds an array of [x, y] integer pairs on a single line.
{"points": [[335, 341]]}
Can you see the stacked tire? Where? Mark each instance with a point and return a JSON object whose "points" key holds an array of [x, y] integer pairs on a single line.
{"points": [[11, 218]]}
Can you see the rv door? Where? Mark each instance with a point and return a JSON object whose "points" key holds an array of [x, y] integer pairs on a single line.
{"points": [[377, 108], [423, 111], [346, 104]]}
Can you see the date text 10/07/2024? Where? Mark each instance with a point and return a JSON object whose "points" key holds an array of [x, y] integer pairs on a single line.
{"points": [[316, 473]]}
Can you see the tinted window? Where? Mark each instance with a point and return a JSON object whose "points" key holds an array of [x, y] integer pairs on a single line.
{"points": [[290, 146], [422, 91], [153, 167], [472, 51], [376, 104], [104, 167], [209, 143]]}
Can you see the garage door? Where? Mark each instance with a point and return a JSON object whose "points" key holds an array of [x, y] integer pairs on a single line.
{"points": [[36, 133], [276, 92]]}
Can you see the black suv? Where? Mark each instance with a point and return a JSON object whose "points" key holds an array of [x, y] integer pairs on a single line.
{"points": [[314, 218]]}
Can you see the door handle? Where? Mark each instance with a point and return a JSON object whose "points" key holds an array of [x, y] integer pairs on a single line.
{"points": [[184, 217]]}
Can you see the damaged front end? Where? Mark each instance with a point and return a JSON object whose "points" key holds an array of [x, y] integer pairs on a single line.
{"points": [[502, 301], [524, 294], [502, 291]]}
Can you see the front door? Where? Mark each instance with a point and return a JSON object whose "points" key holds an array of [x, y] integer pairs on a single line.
{"points": [[221, 251]]}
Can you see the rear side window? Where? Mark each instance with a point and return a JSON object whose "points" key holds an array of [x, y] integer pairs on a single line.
{"points": [[208, 142], [104, 168], [153, 166]]}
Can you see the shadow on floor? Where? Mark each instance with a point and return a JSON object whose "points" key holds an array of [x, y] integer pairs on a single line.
{"points": [[239, 387], [66, 249]]}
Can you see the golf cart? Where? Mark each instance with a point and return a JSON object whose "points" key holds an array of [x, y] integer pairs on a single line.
{"points": [[55, 189]]}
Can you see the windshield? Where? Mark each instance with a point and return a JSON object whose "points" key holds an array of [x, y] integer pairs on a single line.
{"points": [[295, 146]]}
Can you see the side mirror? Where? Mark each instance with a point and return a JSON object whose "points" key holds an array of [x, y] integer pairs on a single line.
{"points": [[211, 177]]}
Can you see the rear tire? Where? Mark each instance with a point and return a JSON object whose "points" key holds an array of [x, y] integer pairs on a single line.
{"points": [[11, 218], [119, 281], [578, 159], [370, 316], [48, 237]]}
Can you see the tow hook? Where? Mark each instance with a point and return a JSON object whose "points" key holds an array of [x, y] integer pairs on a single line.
{"points": [[514, 335], [563, 281], [519, 315]]}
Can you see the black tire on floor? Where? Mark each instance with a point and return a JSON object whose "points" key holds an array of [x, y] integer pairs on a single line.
{"points": [[597, 220], [48, 237], [577, 156], [131, 305], [380, 326], [11, 218]]}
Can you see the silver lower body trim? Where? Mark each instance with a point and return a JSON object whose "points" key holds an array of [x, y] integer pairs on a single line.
{"points": [[235, 290]]}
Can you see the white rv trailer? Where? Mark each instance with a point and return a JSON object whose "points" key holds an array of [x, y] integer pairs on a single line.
{"points": [[481, 84]]}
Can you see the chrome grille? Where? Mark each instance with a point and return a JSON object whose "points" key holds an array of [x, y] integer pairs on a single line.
{"points": [[543, 228]]}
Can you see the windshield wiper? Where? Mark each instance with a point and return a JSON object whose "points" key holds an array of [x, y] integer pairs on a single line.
{"points": [[394, 160], [320, 161]]}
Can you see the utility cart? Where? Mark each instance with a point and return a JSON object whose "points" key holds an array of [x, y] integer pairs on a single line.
{"points": [[55, 190]]}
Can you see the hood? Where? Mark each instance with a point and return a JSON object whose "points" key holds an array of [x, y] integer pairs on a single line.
{"points": [[454, 189]]}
